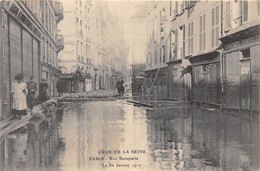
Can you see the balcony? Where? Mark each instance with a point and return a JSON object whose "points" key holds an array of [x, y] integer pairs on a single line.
{"points": [[58, 9], [60, 41]]}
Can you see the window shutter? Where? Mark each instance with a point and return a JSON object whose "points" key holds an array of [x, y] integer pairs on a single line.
{"points": [[258, 7], [228, 25], [204, 22], [217, 35], [176, 43], [245, 10], [213, 17], [201, 33], [217, 15], [212, 37]]}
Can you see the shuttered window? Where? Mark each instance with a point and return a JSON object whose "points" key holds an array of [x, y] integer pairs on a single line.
{"points": [[190, 38], [215, 27], [203, 32], [245, 10], [228, 25], [258, 7]]}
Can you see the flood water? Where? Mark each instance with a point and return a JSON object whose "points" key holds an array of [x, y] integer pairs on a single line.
{"points": [[115, 135]]}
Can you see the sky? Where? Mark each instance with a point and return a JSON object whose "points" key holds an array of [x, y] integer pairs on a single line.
{"points": [[134, 30]]}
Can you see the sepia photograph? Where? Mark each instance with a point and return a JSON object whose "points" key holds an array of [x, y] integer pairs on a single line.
{"points": [[129, 85]]}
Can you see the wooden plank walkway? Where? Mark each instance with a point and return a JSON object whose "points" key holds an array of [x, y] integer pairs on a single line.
{"points": [[9, 125]]}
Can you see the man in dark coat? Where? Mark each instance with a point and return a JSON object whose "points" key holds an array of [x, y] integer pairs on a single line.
{"points": [[32, 88], [122, 88], [59, 87], [43, 87], [118, 86]]}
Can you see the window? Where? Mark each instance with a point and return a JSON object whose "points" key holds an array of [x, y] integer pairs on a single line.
{"points": [[215, 27], [173, 45], [245, 10], [77, 48], [155, 56], [190, 38], [228, 15], [258, 7], [163, 54], [203, 32], [205, 69]]}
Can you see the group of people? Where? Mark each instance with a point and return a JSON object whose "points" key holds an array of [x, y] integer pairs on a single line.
{"points": [[120, 86], [23, 94]]}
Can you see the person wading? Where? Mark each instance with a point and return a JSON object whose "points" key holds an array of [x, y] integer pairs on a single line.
{"points": [[18, 93]]}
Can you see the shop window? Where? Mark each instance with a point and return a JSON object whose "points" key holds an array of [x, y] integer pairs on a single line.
{"points": [[205, 69]]}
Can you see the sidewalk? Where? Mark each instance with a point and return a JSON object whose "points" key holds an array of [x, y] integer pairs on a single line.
{"points": [[7, 125]]}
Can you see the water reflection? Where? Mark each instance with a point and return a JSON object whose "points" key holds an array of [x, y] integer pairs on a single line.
{"points": [[196, 139], [180, 138], [36, 145]]}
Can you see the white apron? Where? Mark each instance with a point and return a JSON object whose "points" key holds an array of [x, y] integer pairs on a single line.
{"points": [[19, 97]]}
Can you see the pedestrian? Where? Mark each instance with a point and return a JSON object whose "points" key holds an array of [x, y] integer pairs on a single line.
{"points": [[43, 88], [59, 87], [122, 88], [118, 86], [19, 92], [32, 88]]}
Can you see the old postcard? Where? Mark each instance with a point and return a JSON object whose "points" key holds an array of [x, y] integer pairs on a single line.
{"points": [[129, 85]]}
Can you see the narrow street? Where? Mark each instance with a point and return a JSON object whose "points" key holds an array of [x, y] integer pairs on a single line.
{"points": [[116, 135]]}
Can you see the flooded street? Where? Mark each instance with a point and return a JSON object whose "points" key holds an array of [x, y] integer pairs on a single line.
{"points": [[119, 136]]}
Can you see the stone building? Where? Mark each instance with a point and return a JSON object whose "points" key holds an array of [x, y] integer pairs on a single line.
{"points": [[204, 52], [29, 44], [91, 44], [76, 30]]}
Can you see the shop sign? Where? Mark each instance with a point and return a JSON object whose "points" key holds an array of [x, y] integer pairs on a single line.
{"points": [[14, 9], [242, 42]]}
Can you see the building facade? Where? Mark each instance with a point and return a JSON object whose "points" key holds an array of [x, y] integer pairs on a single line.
{"points": [[91, 44], [207, 50], [24, 32], [241, 29]]}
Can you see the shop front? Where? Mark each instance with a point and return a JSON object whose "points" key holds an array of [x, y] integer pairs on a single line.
{"points": [[206, 79], [20, 49], [156, 83], [241, 69], [179, 85]]}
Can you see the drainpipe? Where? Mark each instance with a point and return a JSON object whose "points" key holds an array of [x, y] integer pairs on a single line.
{"points": [[221, 55]]}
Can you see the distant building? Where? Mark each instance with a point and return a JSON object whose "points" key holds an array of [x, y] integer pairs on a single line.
{"points": [[29, 44], [89, 32]]}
